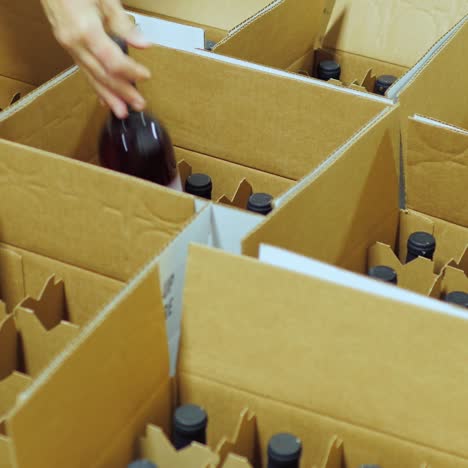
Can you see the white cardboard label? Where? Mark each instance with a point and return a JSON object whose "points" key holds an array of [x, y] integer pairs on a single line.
{"points": [[167, 33], [315, 269]]}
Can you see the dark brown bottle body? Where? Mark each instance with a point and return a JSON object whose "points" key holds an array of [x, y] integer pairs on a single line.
{"points": [[141, 147]]}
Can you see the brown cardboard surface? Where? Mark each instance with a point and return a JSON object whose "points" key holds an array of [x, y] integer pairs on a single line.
{"points": [[9, 361], [397, 32], [270, 39], [437, 171], [350, 206], [28, 50], [350, 333], [157, 448], [448, 98], [116, 380], [125, 207]]}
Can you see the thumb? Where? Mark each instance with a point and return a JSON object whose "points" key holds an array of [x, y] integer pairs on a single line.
{"points": [[120, 23]]}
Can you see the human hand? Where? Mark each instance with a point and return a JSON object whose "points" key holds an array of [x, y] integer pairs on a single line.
{"points": [[80, 27]]}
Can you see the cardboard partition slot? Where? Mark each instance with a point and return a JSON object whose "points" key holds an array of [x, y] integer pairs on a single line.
{"points": [[44, 326], [357, 72], [451, 240], [417, 276], [226, 176], [157, 448], [451, 280]]}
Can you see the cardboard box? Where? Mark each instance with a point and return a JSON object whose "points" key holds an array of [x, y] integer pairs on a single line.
{"points": [[354, 200], [226, 117], [250, 30], [72, 236], [321, 384], [29, 54], [367, 38]]}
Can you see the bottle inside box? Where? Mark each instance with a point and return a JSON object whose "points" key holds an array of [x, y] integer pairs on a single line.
{"points": [[355, 72]]}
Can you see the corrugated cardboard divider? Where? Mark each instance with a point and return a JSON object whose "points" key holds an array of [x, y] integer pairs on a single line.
{"points": [[270, 40], [124, 381], [226, 175], [452, 240], [452, 280], [444, 80], [398, 32], [28, 50], [274, 124], [347, 207], [437, 169], [222, 14], [156, 447], [344, 335], [140, 216], [417, 276], [44, 326], [12, 287]]}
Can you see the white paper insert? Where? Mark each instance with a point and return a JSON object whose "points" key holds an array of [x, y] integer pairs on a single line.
{"points": [[167, 33]]}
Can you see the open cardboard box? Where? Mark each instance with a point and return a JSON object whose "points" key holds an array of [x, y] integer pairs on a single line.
{"points": [[368, 39], [71, 237], [227, 118], [246, 29], [29, 53], [354, 201]]}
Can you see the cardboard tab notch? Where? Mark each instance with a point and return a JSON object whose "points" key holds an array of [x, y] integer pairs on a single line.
{"points": [[241, 196], [43, 325], [335, 454], [417, 276], [234, 461], [243, 441], [156, 447]]}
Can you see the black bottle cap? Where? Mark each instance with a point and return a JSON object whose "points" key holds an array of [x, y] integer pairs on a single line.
{"points": [[384, 82], [328, 69], [142, 464], [190, 419], [384, 273], [421, 244], [457, 298], [199, 185], [284, 448], [260, 203]]}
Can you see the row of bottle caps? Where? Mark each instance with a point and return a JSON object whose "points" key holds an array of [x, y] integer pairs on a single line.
{"points": [[190, 424]]}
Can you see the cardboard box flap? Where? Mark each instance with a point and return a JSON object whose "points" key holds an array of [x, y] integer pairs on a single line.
{"points": [[92, 380], [443, 78], [337, 231], [215, 112], [222, 14], [321, 342], [437, 171], [269, 39], [398, 31], [98, 223], [28, 49]]}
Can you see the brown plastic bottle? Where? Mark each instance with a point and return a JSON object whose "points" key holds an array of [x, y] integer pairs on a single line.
{"points": [[139, 146]]}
